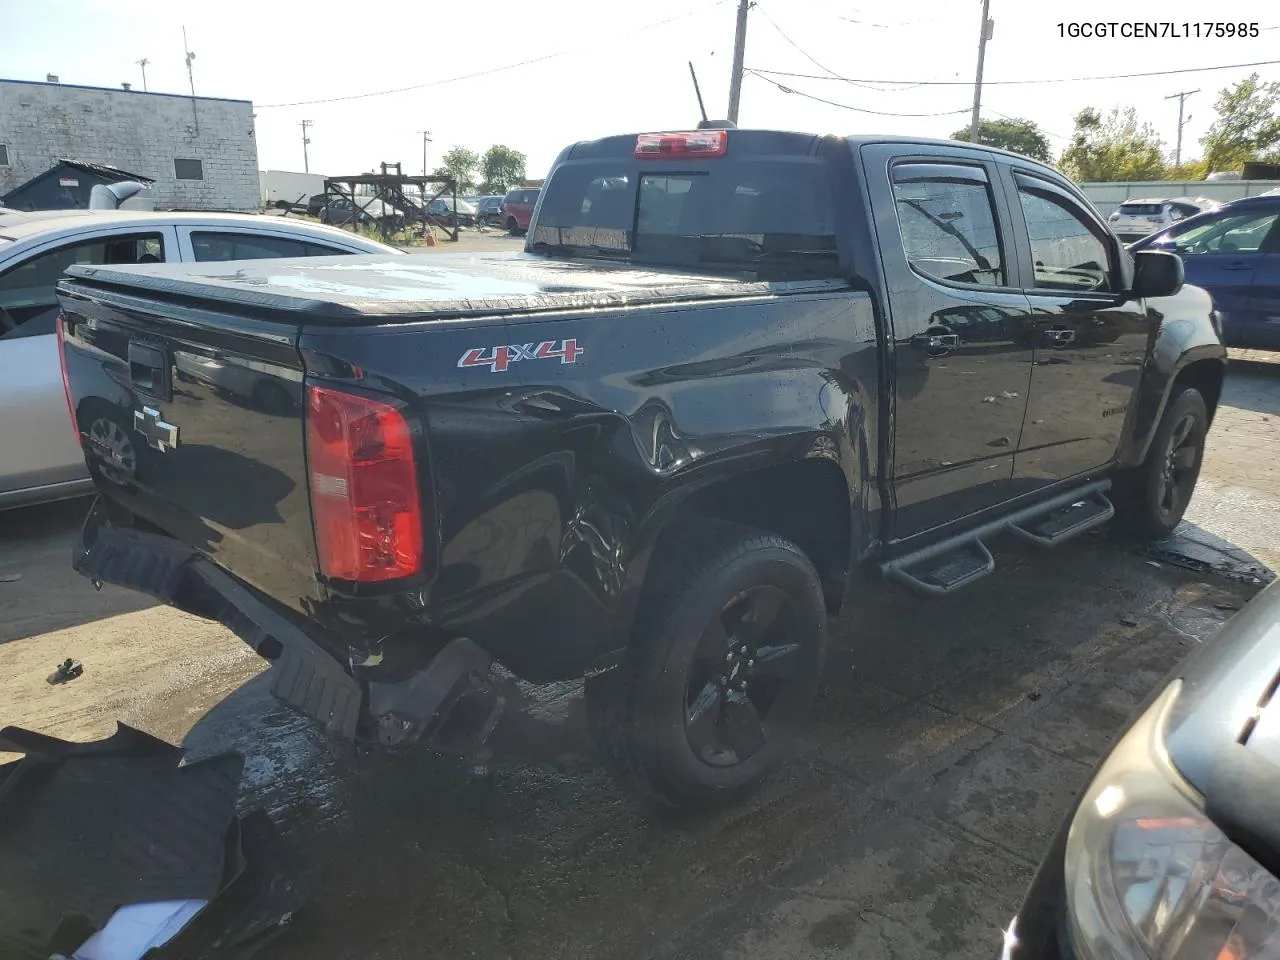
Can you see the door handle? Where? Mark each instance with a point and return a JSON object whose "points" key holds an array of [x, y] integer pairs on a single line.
{"points": [[935, 341], [1238, 265]]}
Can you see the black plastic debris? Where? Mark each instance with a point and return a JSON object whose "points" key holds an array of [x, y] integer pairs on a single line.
{"points": [[87, 829], [67, 671]]}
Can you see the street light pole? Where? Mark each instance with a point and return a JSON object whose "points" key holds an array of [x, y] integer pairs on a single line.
{"points": [[143, 64]]}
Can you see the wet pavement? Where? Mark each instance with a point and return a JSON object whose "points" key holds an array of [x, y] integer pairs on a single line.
{"points": [[947, 742]]}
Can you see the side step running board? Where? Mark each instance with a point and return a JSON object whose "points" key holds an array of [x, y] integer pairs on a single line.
{"points": [[946, 566]]}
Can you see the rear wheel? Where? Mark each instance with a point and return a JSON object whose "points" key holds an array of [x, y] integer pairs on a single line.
{"points": [[724, 663], [1153, 498], [512, 225]]}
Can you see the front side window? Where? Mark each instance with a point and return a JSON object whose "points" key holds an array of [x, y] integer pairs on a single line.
{"points": [[1232, 233], [28, 304], [948, 223], [1069, 251], [216, 245]]}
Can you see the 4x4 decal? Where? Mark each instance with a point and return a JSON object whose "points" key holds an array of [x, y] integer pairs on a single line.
{"points": [[499, 359]]}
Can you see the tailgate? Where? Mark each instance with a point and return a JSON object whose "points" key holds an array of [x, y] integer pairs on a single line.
{"points": [[193, 420]]}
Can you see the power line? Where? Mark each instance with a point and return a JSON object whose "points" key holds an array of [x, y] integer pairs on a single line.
{"points": [[492, 70], [812, 59], [1006, 83], [844, 106]]}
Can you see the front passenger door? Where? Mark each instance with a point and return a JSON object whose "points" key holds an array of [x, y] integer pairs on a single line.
{"points": [[1090, 338], [961, 362]]}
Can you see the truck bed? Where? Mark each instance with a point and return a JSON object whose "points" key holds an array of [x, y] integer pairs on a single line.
{"points": [[342, 291]]}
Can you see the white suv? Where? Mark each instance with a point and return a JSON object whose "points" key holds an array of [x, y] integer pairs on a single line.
{"points": [[1136, 219]]}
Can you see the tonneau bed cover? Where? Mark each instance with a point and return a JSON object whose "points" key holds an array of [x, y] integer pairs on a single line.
{"points": [[375, 288]]}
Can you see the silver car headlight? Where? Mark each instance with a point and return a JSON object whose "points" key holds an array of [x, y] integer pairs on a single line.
{"points": [[1148, 875]]}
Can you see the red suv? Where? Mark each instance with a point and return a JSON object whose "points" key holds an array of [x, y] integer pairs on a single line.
{"points": [[517, 208]]}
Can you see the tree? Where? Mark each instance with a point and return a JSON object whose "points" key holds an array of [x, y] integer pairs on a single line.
{"points": [[1020, 136], [461, 164], [1247, 127], [503, 168], [1116, 147]]}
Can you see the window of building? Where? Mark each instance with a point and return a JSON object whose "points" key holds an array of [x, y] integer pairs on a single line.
{"points": [[4, 154], [28, 305], [1070, 251], [948, 223], [188, 169], [209, 246]]}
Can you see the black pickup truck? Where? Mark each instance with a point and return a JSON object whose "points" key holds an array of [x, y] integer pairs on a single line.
{"points": [[732, 374]]}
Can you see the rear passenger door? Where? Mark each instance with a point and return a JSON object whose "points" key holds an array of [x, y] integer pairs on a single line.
{"points": [[1090, 338], [959, 321]]}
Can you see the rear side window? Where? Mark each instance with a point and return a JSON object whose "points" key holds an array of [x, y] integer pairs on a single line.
{"points": [[721, 213], [1141, 209], [212, 246], [28, 304], [1069, 250], [948, 222]]}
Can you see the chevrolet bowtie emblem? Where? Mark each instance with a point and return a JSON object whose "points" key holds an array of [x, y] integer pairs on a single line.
{"points": [[160, 435]]}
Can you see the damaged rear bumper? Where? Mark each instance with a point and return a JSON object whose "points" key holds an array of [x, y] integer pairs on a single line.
{"points": [[306, 673]]}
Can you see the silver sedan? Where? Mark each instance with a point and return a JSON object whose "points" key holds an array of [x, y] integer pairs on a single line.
{"points": [[39, 456]]}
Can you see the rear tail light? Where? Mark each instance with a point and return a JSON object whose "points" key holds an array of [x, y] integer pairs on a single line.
{"points": [[701, 143], [365, 501], [66, 381]]}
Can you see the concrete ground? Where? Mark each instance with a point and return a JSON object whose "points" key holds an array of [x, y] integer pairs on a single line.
{"points": [[948, 740]]}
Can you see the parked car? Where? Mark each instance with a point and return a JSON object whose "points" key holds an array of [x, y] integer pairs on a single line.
{"points": [[517, 209], [1136, 219], [654, 448], [41, 459], [340, 210], [1234, 253], [443, 208], [489, 210], [1173, 850]]}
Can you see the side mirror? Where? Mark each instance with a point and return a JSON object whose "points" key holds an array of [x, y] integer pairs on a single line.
{"points": [[1157, 274]]}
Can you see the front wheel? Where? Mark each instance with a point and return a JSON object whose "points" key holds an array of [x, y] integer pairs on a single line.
{"points": [[725, 661], [1153, 498]]}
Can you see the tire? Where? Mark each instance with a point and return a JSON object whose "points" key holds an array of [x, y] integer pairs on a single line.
{"points": [[725, 659], [1152, 499], [512, 226]]}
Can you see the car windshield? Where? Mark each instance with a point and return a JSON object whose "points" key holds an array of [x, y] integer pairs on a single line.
{"points": [[750, 214], [1141, 209]]}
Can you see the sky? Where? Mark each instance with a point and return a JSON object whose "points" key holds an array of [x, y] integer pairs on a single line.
{"points": [[580, 69]]}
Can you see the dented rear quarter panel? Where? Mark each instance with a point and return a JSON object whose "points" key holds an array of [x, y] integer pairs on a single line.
{"points": [[563, 475]]}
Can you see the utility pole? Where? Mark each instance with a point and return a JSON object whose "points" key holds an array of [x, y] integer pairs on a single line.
{"points": [[143, 64], [1182, 99], [426, 138], [988, 27], [306, 165], [739, 52]]}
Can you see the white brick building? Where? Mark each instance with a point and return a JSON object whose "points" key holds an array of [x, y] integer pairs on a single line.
{"points": [[200, 150]]}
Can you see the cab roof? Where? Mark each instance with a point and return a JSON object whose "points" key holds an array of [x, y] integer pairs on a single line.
{"points": [[19, 225]]}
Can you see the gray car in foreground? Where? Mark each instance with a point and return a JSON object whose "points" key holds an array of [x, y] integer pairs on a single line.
{"points": [[40, 458], [1173, 851]]}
